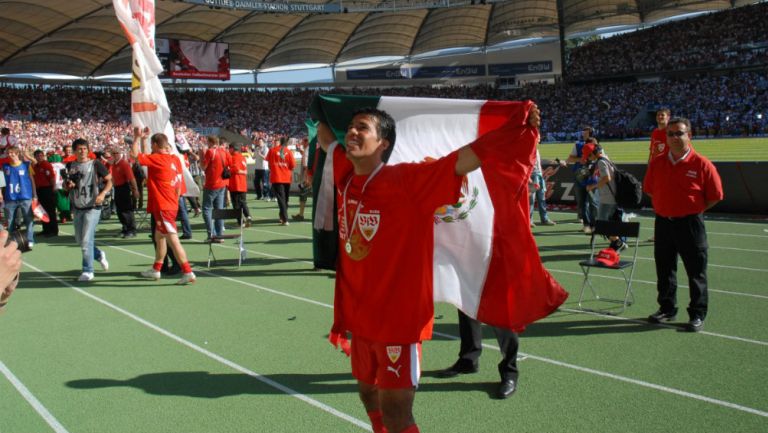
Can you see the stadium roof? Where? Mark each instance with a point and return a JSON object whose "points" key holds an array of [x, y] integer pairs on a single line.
{"points": [[82, 37]]}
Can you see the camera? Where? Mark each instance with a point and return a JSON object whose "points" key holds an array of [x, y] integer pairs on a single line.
{"points": [[73, 176], [21, 240]]}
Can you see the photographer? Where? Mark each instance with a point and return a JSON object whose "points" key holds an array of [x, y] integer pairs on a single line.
{"points": [[88, 182]]}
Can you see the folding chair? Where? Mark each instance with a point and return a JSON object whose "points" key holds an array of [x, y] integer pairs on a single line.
{"points": [[611, 228], [225, 214]]}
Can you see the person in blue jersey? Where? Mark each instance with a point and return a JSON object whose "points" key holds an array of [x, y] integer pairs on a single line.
{"points": [[19, 191]]}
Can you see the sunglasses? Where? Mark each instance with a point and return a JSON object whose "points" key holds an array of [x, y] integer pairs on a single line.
{"points": [[676, 133]]}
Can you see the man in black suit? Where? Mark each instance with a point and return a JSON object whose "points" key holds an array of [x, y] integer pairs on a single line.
{"points": [[471, 335]]}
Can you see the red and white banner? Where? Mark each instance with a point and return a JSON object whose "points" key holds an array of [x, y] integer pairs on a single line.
{"points": [[149, 107]]}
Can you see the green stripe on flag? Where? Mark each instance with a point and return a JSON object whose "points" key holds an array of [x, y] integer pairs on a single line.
{"points": [[336, 110]]}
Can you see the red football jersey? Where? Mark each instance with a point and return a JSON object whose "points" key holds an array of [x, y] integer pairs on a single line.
{"points": [[238, 182], [384, 281], [280, 167], [164, 181], [216, 160], [658, 144]]}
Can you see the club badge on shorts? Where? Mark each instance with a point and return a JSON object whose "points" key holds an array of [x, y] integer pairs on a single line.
{"points": [[393, 352]]}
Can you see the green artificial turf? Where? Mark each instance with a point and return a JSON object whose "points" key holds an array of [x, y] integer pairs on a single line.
{"points": [[232, 352]]}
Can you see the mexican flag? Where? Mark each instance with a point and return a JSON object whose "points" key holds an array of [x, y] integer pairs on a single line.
{"points": [[486, 261]]}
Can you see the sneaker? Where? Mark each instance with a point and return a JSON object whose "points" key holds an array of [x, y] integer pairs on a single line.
{"points": [[297, 217], [151, 273], [695, 325], [284, 223], [660, 316], [187, 278], [130, 235], [185, 236], [548, 223], [533, 224], [587, 230], [248, 222], [103, 261], [85, 276], [618, 245], [30, 244]]}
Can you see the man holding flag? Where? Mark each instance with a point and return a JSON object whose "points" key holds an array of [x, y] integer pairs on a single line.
{"points": [[384, 279]]}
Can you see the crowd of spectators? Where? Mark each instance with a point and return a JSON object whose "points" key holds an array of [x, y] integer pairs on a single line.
{"points": [[729, 104], [735, 37]]}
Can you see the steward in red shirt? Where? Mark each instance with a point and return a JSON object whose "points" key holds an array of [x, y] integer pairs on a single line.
{"points": [[682, 185], [126, 190], [238, 182], [165, 184], [45, 179], [383, 292], [281, 164]]}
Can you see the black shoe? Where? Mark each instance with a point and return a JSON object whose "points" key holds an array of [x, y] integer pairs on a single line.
{"points": [[660, 316], [456, 369], [695, 325], [129, 235], [185, 236], [507, 387]]}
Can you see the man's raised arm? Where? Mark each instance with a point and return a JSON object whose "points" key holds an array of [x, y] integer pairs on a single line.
{"points": [[324, 136], [468, 160]]}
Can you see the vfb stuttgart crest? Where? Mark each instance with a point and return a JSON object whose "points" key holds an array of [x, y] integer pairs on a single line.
{"points": [[368, 224], [394, 353]]}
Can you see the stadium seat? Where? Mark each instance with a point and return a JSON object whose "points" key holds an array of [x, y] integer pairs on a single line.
{"points": [[609, 260], [225, 214]]}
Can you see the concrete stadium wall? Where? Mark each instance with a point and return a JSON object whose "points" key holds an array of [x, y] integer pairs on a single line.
{"points": [[743, 184]]}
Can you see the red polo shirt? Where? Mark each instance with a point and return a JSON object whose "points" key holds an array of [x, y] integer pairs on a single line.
{"points": [[122, 172], [683, 188], [44, 174]]}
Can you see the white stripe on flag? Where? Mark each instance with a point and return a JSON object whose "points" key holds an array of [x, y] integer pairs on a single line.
{"points": [[463, 248]]}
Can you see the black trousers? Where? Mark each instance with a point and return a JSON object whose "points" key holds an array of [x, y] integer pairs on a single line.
{"points": [[238, 202], [124, 205], [258, 182], [471, 333], [47, 198], [282, 191], [687, 238]]}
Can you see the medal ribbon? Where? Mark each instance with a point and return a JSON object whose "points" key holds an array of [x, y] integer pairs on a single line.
{"points": [[350, 228]]}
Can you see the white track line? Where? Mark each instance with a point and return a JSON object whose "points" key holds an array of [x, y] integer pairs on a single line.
{"points": [[291, 392], [585, 251], [662, 325], [653, 283], [32, 400]]}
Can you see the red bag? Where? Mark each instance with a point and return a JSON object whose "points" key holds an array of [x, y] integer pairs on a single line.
{"points": [[38, 212]]}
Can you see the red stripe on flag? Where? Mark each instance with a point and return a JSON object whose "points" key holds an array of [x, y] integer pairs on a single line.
{"points": [[139, 107], [517, 290]]}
